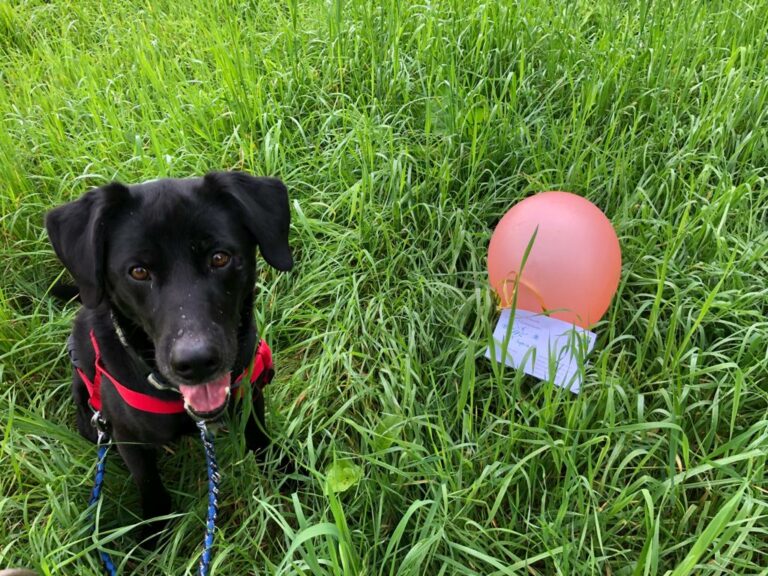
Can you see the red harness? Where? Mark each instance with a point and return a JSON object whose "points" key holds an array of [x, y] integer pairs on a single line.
{"points": [[261, 371]]}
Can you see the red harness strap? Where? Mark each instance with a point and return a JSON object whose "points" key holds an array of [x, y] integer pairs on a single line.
{"points": [[261, 371]]}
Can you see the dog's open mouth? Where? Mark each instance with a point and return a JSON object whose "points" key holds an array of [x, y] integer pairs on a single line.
{"points": [[207, 401]]}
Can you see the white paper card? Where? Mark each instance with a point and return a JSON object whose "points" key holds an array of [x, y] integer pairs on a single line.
{"points": [[537, 343]]}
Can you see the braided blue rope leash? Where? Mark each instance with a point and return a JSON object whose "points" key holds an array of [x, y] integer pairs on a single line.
{"points": [[104, 442], [213, 497]]}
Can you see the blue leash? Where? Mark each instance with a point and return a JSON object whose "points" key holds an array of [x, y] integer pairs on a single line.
{"points": [[213, 497], [104, 442]]}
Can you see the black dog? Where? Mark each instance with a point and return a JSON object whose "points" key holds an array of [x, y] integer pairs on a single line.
{"points": [[166, 274]]}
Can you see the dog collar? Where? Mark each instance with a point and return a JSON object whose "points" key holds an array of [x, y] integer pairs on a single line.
{"points": [[154, 379], [259, 373]]}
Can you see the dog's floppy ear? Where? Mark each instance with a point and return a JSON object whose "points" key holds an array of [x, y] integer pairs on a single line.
{"points": [[77, 231], [263, 203]]}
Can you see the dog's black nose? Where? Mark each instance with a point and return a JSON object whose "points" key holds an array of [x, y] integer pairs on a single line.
{"points": [[195, 360]]}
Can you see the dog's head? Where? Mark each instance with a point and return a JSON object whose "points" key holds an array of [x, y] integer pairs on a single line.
{"points": [[177, 259]]}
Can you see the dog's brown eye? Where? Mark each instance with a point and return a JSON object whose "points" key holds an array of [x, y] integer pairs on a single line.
{"points": [[220, 259], [139, 273]]}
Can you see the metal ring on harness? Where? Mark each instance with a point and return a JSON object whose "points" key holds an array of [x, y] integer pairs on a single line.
{"points": [[98, 422], [103, 443]]}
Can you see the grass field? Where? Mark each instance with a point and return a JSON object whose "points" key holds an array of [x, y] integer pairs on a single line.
{"points": [[404, 132]]}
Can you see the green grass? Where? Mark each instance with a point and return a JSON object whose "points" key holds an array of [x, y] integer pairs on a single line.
{"points": [[404, 131]]}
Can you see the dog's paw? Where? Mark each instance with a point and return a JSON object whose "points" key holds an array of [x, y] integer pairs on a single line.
{"points": [[151, 533], [287, 466], [155, 507], [274, 459], [290, 479], [258, 444]]}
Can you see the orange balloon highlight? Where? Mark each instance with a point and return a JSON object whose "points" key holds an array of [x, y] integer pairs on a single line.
{"points": [[574, 266]]}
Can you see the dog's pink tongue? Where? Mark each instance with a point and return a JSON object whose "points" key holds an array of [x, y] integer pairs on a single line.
{"points": [[204, 398]]}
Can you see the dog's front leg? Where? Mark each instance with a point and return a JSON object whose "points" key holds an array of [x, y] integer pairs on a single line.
{"points": [[141, 461], [256, 437], [257, 440]]}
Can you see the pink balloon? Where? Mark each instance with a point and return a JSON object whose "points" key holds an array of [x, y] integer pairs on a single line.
{"points": [[574, 265]]}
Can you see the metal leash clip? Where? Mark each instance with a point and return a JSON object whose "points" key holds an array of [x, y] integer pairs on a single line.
{"points": [[98, 422]]}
